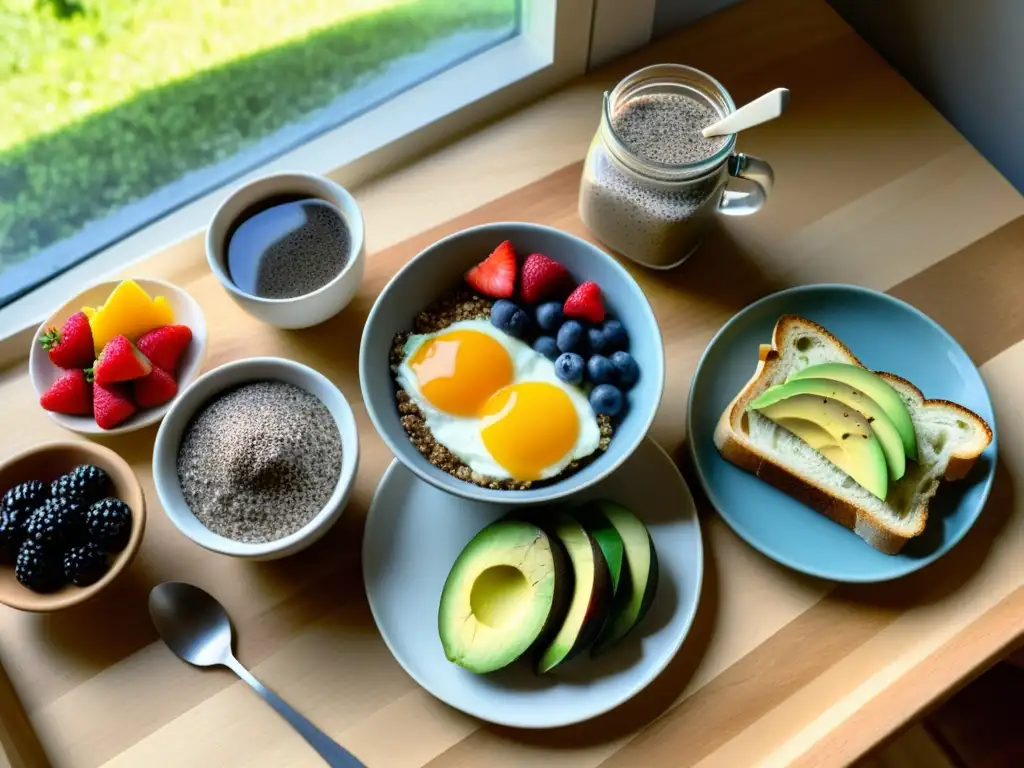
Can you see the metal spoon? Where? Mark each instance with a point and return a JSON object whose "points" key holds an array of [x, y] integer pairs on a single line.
{"points": [[196, 627]]}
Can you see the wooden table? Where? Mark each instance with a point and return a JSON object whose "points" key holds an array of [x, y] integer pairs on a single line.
{"points": [[874, 188]]}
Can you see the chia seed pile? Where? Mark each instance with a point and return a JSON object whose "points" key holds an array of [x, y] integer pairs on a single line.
{"points": [[260, 461], [653, 221], [451, 308]]}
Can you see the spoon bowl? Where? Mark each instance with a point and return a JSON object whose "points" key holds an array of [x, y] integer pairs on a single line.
{"points": [[192, 623]]}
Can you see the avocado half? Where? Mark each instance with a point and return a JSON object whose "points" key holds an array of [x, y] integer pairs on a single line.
{"points": [[638, 581], [591, 593], [507, 591], [875, 387], [882, 426]]}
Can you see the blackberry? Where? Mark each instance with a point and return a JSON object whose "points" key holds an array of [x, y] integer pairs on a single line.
{"points": [[85, 565], [12, 533], [58, 523], [84, 484], [108, 523], [22, 499], [38, 567]]}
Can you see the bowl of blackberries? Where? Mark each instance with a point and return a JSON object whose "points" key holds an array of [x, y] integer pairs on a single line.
{"points": [[72, 517]]}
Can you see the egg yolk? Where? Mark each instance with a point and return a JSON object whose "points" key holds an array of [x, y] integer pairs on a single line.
{"points": [[458, 371], [528, 427]]}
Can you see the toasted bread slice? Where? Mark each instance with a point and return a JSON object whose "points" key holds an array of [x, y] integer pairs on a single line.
{"points": [[950, 438]]}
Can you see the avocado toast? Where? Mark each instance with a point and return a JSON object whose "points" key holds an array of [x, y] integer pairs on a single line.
{"points": [[864, 448]]}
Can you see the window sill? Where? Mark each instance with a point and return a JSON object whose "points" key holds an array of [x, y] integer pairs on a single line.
{"points": [[549, 51]]}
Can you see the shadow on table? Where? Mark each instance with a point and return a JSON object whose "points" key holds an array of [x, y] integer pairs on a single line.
{"points": [[956, 569], [106, 629]]}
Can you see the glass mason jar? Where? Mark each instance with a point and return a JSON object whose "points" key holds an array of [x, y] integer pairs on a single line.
{"points": [[656, 213]]}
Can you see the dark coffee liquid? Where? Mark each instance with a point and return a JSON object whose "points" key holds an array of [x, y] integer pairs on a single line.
{"points": [[287, 246]]}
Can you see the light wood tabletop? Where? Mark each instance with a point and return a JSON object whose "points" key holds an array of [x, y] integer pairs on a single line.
{"points": [[873, 187]]}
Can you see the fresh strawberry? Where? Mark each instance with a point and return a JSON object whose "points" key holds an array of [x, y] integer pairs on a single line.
{"points": [[111, 405], [71, 393], [164, 346], [585, 303], [495, 276], [542, 278], [155, 389], [120, 361], [71, 347]]}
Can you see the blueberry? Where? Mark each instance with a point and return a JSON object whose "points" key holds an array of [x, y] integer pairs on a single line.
{"points": [[626, 369], [520, 324], [596, 340], [615, 336], [546, 346], [606, 399], [570, 336], [569, 368], [600, 369], [501, 314], [549, 315]]}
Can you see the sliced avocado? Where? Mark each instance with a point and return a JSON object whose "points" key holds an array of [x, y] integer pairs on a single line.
{"points": [[638, 582], [838, 432], [886, 432], [592, 590], [875, 387], [607, 538], [506, 591]]}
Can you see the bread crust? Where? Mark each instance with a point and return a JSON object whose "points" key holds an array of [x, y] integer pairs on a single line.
{"points": [[744, 454]]}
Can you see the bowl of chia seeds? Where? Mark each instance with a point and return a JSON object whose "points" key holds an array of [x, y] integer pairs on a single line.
{"points": [[256, 459]]}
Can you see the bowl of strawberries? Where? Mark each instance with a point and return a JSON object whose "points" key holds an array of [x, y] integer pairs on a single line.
{"points": [[113, 358]]}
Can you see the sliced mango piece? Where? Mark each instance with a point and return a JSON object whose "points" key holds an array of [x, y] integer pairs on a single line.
{"points": [[129, 311], [161, 304], [89, 312]]}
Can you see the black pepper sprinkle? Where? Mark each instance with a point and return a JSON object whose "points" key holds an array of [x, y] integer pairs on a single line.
{"points": [[845, 435]]}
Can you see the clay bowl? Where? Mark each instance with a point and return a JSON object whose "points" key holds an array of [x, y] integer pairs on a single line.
{"points": [[47, 463]]}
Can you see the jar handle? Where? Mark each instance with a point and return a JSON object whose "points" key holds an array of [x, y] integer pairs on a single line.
{"points": [[754, 182]]}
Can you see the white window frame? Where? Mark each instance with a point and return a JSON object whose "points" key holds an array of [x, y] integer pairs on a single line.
{"points": [[560, 40]]}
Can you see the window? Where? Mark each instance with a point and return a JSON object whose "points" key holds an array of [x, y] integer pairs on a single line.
{"points": [[120, 112]]}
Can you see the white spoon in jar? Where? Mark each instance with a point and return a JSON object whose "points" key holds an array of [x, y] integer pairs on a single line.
{"points": [[760, 110]]}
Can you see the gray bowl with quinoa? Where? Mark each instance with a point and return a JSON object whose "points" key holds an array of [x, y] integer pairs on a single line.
{"points": [[429, 296]]}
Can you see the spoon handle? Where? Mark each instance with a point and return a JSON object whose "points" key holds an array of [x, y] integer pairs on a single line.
{"points": [[333, 753], [760, 110]]}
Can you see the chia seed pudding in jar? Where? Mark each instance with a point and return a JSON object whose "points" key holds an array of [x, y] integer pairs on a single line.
{"points": [[651, 180]]}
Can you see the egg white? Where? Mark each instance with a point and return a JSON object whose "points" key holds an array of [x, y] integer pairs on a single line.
{"points": [[462, 434]]}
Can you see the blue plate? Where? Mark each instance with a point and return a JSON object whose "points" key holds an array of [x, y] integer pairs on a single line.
{"points": [[885, 334]]}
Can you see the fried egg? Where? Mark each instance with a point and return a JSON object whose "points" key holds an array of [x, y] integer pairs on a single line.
{"points": [[496, 403]]}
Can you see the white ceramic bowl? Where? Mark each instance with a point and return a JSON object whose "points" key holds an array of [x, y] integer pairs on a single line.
{"points": [[168, 439], [186, 312], [308, 309]]}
